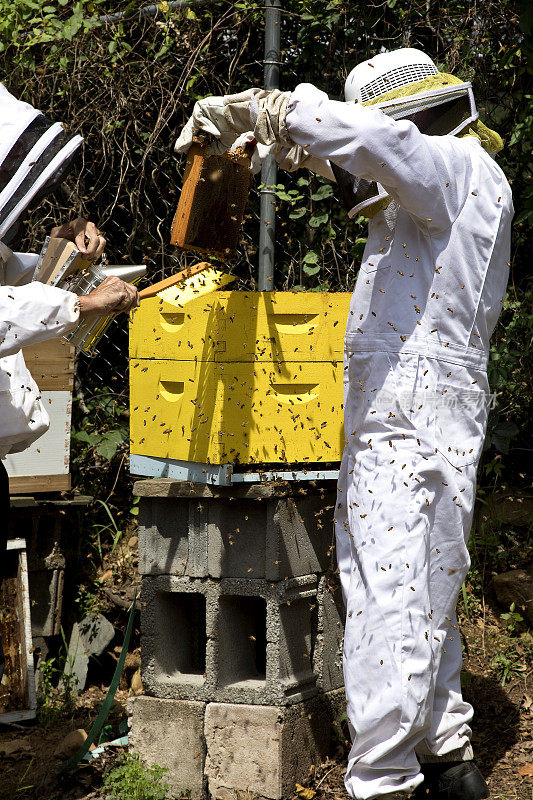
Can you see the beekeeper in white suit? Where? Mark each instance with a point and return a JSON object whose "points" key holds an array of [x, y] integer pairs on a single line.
{"points": [[407, 149], [35, 154]]}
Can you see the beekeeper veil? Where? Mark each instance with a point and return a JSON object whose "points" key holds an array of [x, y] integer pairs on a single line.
{"points": [[35, 155], [406, 85]]}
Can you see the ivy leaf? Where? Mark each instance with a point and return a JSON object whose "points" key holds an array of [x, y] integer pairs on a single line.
{"points": [[311, 257], [317, 221], [109, 444], [311, 269], [84, 436], [326, 190]]}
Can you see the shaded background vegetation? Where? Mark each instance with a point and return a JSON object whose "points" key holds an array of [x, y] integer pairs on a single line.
{"points": [[129, 86]]}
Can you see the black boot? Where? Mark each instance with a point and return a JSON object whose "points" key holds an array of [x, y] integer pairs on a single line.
{"points": [[456, 780]]}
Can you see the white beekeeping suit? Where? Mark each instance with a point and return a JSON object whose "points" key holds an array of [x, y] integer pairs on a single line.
{"points": [[427, 298], [34, 154], [428, 295]]}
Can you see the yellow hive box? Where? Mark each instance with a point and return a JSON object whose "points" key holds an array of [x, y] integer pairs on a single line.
{"points": [[216, 413], [243, 326], [239, 377]]}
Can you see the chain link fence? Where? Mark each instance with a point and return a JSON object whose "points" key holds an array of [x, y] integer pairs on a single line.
{"points": [[129, 87]]}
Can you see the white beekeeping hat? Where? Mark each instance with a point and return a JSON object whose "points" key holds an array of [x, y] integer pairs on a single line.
{"points": [[34, 156], [406, 84], [385, 72]]}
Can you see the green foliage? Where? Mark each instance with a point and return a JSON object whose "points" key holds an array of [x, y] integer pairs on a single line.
{"points": [[26, 25], [512, 619], [132, 780], [57, 700], [87, 600], [510, 374], [508, 665], [102, 431], [98, 458]]}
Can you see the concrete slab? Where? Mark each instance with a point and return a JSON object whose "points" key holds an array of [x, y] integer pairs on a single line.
{"points": [[89, 637], [171, 733], [266, 750]]}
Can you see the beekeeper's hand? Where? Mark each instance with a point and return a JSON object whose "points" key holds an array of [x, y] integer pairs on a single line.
{"points": [[209, 116], [226, 118], [112, 296], [85, 236], [258, 152]]}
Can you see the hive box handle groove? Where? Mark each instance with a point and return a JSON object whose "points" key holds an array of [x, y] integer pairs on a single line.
{"points": [[294, 393], [171, 390]]}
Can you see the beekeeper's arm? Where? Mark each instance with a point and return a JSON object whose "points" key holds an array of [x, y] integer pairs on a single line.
{"points": [[33, 312], [30, 312], [428, 176]]}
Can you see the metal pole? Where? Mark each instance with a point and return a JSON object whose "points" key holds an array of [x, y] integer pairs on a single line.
{"points": [[267, 229]]}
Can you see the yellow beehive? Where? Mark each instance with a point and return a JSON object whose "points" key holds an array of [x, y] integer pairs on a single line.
{"points": [[243, 326], [239, 377]]}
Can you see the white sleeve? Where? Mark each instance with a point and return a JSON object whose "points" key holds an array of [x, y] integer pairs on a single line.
{"points": [[33, 313], [428, 175], [18, 269]]}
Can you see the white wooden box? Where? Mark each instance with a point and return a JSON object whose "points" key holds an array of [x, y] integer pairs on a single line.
{"points": [[44, 467], [46, 462]]}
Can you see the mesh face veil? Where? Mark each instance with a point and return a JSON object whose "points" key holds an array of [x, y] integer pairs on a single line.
{"points": [[406, 85], [35, 154]]}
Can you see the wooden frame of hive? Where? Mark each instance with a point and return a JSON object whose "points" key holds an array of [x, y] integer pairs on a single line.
{"points": [[211, 207]]}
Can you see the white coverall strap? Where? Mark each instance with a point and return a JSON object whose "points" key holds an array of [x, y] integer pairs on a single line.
{"points": [[425, 174]]}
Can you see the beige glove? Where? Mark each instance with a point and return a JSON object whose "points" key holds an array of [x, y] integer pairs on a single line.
{"points": [[268, 110], [234, 116], [224, 118]]}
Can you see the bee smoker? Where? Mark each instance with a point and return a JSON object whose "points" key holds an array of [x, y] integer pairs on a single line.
{"points": [[89, 331]]}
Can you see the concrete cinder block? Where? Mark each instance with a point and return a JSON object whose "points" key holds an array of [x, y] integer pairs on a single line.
{"points": [[171, 733], [266, 750], [233, 640], [327, 654], [264, 640], [177, 636], [300, 536], [259, 531], [172, 537]]}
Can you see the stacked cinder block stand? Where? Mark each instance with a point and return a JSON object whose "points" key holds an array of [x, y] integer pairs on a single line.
{"points": [[242, 616], [242, 627]]}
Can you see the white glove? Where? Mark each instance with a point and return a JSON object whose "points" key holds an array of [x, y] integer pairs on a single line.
{"points": [[224, 118], [229, 120]]}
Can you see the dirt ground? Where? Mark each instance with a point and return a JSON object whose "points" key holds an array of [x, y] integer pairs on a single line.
{"points": [[503, 729]]}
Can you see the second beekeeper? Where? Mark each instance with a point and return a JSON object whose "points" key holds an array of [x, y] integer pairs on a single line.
{"points": [[408, 151], [35, 155]]}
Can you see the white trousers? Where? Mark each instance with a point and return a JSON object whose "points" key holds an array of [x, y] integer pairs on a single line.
{"points": [[414, 429]]}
